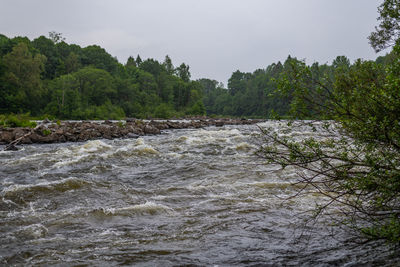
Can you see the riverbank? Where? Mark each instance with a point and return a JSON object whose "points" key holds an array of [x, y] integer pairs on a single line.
{"points": [[76, 131]]}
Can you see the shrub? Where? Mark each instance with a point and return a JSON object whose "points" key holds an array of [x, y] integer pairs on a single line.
{"points": [[20, 120]]}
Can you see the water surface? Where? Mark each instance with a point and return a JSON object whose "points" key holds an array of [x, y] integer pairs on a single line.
{"points": [[199, 197]]}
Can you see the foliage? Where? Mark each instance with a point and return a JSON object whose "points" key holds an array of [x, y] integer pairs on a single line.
{"points": [[21, 83], [21, 120], [388, 31], [46, 132], [163, 111], [356, 163], [197, 109], [248, 94], [49, 76]]}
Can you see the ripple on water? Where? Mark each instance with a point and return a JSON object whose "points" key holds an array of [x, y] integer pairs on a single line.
{"points": [[194, 197], [148, 208], [19, 191], [139, 149]]}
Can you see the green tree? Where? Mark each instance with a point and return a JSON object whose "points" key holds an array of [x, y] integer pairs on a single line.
{"points": [[169, 67], [147, 82], [6, 45], [97, 57], [56, 37], [129, 97], [152, 66], [163, 111], [131, 62], [95, 85], [165, 87], [183, 72], [388, 31], [72, 63], [198, 109], [65, 98], [356, 164], [22, 86], [237, 82], [47, 48], [138, 60], [67, 81]]}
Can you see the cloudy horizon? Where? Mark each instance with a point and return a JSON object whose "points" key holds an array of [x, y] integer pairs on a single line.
{"points": [[215, 38]]}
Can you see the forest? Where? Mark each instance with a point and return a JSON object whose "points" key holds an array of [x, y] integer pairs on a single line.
{"points": [[47, 77]]}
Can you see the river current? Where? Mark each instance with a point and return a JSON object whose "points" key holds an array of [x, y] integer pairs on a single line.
{"points": [[185, 197]]}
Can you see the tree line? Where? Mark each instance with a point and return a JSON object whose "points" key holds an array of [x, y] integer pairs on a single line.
{"points": [[258, 94], [49, 76]]}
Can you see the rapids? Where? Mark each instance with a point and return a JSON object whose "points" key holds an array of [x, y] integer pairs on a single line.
{"points": [[186, 197]]}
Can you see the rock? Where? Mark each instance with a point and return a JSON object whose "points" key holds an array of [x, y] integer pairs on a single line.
{"points": [[219, 123], [85, 130], [174, 125], [84, 136], [148, 129], [160, 125], [11, 148], [70, 137], [132, 135], [135, 130], [36, 137], [7, 136], [62, 139], [18, 132], [27, 140], [196, 124]]}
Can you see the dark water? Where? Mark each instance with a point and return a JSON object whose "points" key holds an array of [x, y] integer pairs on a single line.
{"points": [[187, 197]]}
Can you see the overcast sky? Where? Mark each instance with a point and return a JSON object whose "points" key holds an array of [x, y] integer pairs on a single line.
{"points": [[214, 37]]}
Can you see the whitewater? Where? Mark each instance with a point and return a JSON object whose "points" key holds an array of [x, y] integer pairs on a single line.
{"points": [[185, 197]]}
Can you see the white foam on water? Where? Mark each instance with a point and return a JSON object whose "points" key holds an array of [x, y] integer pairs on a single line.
{"points": [[139, 141], [34, 230], [137, 148], [149, 207], [94, 146], [66, 156], [173, 155], [245, 147], [29, 158], [75, 154], [61, 185], [211, 136], [68, 162], [110, 232]]}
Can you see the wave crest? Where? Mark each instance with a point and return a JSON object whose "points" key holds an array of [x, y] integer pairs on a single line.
{"points": [[148, 208]]}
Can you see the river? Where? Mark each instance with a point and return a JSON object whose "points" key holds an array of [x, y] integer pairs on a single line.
{"points": [[185, 197]]}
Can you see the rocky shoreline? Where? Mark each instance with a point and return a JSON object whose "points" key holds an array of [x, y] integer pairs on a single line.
{"points": [[70, 131]]}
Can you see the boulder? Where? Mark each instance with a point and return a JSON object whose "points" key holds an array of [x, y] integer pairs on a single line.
{"points": [[149, 129], [66, 131], [6, 136], [219, 123], [11, 147], [19, 132], [132, 135]]}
